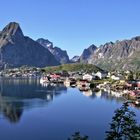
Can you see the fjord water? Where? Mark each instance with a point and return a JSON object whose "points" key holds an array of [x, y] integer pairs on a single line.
{"points": [[29, 110]]}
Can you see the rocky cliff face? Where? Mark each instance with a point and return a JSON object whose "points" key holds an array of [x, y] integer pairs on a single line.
{"points": [[18, 50], [87, 53], [60, 55], [119, 55], [45, 43]]}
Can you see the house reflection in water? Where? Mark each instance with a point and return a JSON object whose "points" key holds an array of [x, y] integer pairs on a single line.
{"points": [[107, 95], [17, 95], [111, 96]]}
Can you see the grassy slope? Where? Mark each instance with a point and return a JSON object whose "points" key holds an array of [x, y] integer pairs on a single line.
{"points": [[74, 67]]}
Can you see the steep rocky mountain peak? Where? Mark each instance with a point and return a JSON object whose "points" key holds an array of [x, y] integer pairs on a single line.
{"points": [[87, 53], [10, 33], [18, 50], [11, 29], [60, 55]]}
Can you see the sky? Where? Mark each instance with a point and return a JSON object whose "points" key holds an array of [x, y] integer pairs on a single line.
{"points": [[74, 25]]}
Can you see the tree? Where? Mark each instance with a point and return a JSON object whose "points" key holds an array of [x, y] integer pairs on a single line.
{"points": [[130, 76], [123, 126], [137, 75], [77, 136]]}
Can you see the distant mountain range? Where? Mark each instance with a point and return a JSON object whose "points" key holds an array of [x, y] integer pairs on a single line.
{"points": [[75, 59], [18, 50], [60, 55], [121, 55]]}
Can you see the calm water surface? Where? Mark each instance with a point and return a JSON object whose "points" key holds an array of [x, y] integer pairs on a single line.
{"points": [[31, 111]]}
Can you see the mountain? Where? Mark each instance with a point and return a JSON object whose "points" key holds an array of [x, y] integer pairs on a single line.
{"points": [[18, 50], [87, 53], [45, 43], [60, 55], [75, 59], [121, 55]]}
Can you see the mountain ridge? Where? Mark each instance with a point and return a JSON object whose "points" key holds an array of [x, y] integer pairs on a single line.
{"points": [[117, 55], [18, 50], [59, 54]]}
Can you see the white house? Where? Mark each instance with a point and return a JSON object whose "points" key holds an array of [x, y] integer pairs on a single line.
{"points": [[127, 72], [87, 77], [109, 74], [113, 77], [101, 74]]}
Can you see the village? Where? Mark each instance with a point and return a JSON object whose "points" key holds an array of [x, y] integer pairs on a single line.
{"points": [[122, 84]]}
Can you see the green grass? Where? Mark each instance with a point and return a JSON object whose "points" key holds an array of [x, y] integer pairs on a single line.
{"points": [[74, 67]]}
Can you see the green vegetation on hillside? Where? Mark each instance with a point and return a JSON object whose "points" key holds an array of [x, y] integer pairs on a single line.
{"points": [[74, 67]]}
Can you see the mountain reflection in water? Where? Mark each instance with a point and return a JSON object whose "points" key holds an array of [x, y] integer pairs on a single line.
{"points": [[16, 95], [54, 112], [19, 94]]}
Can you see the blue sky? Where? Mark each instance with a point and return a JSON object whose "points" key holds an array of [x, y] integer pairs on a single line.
{"points": [[73, 25]]}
